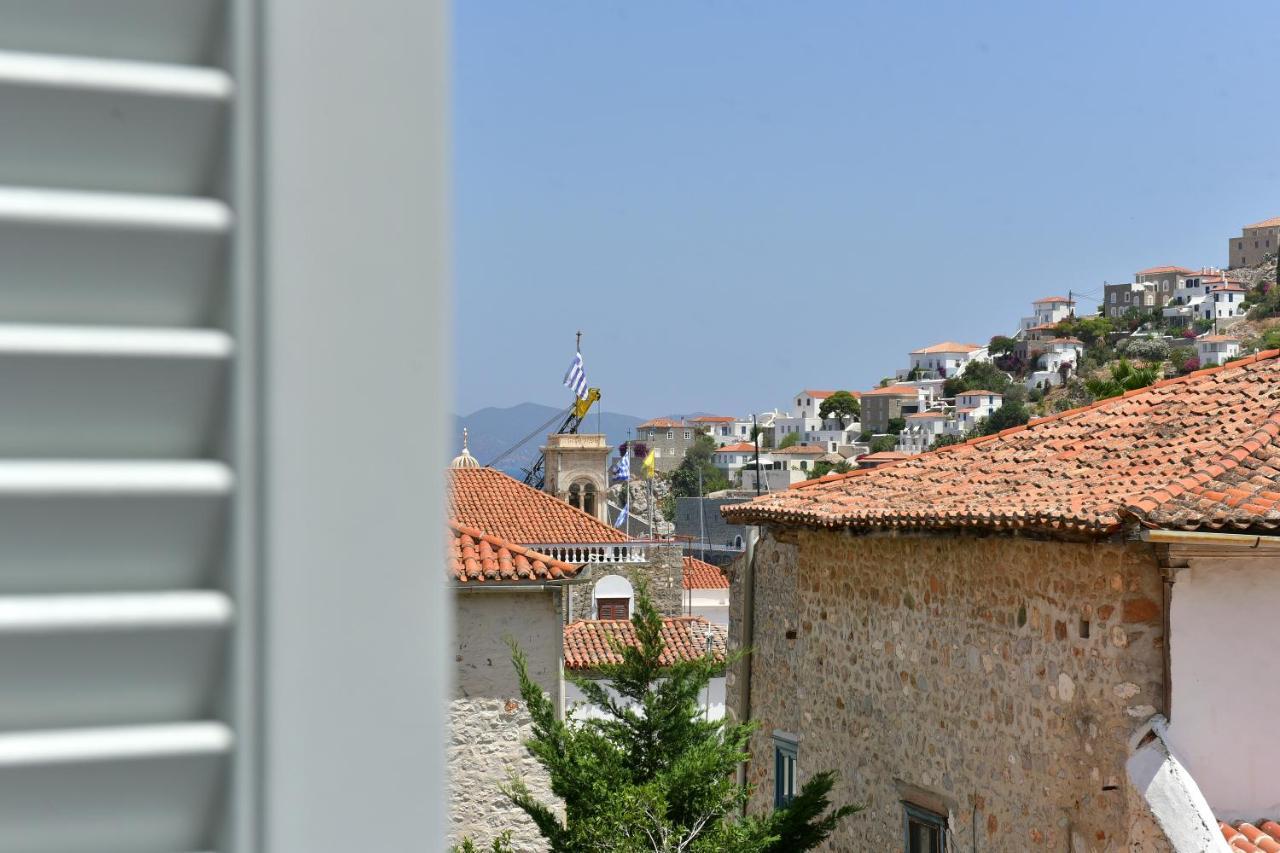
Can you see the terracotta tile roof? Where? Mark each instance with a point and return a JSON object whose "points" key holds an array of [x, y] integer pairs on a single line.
{"points": [[947, 346], [1247, 837], [800, 450], [740, 447], [1218, 339], [821, 395], [1045, 300], [893, 391], [1157, 270], [664, 423], [489, 500], [1042, 327], [475, 557], [978, 391], [703, 575], [588, 643], [714, 419], [1195, 452], [1072, 341], [1266, 223], [881, 456], [1229, 287], [926, 415]]}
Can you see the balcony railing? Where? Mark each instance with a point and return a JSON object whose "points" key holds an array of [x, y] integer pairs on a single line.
{"points": [[578, 553]]}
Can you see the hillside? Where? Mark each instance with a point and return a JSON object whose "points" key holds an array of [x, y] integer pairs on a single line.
{"points": [[493, 430]]}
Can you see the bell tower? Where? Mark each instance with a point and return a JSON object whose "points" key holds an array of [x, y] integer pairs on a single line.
{"points": [[576, 471]]}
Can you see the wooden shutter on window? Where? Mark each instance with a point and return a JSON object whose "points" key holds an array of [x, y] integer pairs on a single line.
{"points": [[119, 567]]}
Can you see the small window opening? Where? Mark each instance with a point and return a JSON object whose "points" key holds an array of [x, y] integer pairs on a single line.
{"points": [[926, 832], [1084, 629]]}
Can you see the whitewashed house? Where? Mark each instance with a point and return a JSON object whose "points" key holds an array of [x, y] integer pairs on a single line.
{"points": [[731, 457], [1223, 301], [721, 428], [1187, 299], [1050, 357], [706, 591], [922, 429], [1215, 349], [944, 360], [974, 405], [1048, 311], [803, 418]]}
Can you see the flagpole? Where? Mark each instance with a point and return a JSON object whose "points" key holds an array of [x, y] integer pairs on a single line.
{"points": [[628, 484]]}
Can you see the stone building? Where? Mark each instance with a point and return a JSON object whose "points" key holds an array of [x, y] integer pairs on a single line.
{"points": [[1163, 281], [881, 405], [669, 440], [1254, 244], [1031, 640], [577, 471], [700, 520], [500, 590]]}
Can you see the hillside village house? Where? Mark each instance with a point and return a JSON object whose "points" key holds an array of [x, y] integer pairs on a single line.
{"points": [[881, 405], [1255, 242], [1163, 281], [809, 426], [974, 405], [1053, 638], [706, 591], [1216, 349], [1050, 357], [1119, 299], [668, 439], [1223, 302], [1187, 301], [731, 457], [942, 361], [724, 429], [923, 428], [1049, 311]]}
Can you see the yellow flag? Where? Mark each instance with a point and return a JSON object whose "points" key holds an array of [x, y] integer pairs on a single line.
{"points": [[580, 407], [647, 465]]}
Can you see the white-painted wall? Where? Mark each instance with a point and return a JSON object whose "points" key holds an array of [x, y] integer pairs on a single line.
{"points": [[1224, 646], [711, 699], [711, 604]]}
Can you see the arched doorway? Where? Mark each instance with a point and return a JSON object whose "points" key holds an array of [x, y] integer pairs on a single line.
{"points": [[612, 595]]}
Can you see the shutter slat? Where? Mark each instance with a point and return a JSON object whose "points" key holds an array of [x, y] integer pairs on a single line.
{"points": [[109, 124], [117, 615]]}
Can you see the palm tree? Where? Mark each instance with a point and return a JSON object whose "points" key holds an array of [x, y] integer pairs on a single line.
{"points": [[1124, 377]]}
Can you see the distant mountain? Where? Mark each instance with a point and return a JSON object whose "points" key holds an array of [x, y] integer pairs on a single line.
{"points": [[494, 430]]}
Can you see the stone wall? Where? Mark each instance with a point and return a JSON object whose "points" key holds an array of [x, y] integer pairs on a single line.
{"points": [[999, 676], [488, 721], [663, 571]]}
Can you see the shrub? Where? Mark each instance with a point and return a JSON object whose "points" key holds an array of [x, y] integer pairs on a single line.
{"points": [[1192, 363], [1147, 349]]}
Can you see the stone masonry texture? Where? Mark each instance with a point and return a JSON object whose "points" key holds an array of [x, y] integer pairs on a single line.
{"points": [[488, 722], [999, 677], [663, 571]]}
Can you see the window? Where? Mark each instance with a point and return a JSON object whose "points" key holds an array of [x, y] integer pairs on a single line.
{"points": [[785, 750], [1126, 296], [925, 831], [688, 434], [1113, 297], [671, 434], [613, 608]]}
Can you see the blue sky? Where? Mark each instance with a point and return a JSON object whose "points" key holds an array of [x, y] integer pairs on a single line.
{"points": [[734, 200]]}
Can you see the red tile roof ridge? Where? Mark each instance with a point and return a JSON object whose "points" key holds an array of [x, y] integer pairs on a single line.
{"points": [[486, 497], [539, 566], [1024, 519], [699, 574]]}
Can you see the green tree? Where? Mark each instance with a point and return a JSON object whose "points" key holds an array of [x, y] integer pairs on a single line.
{"points": [[1011, 414], [978, 375], [1124, 377], [842, 405], [697, 460], [822, 469], [947, 440], [789, 440], [881, 443], [896, 425], [1090, 330], [652, 774], [1001, 345]]}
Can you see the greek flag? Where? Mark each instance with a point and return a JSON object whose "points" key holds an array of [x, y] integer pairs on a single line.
{"points": [[576, 378], [622, 516], [622, 468]]}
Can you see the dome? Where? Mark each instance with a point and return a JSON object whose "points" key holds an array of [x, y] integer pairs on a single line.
{"points": [[464, 459]]}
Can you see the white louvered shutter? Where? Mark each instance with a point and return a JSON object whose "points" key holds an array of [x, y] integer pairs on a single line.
{"points": [[122, 626]]}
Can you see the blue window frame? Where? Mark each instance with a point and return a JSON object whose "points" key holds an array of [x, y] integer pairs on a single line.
{"points": [[785, 751], [923, 830]]}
